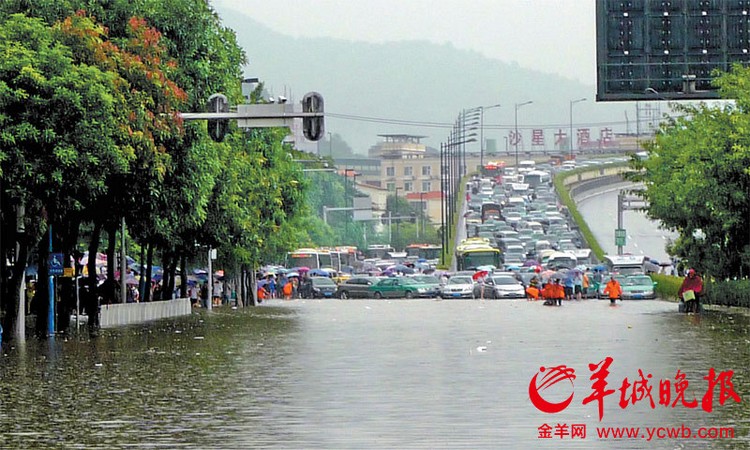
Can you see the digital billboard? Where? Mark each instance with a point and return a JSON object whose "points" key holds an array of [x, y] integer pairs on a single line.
{"points": [[668, 50]]}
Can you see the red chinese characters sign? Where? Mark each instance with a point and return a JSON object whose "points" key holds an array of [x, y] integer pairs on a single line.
{"points": [[668, 392]]}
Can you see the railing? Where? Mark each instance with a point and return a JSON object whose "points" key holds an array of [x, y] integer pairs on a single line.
{"points": [[121, 314]]}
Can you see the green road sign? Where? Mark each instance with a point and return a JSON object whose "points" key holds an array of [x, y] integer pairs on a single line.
{"points": [[620, 235]]}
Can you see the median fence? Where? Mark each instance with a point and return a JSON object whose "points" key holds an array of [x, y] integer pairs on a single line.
{"points": [[120, 314]]}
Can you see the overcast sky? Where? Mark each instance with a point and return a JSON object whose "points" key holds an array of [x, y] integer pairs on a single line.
{"points": [[555, 36]]}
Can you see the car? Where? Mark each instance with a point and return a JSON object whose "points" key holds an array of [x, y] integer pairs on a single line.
{"points": [[322, 287], [503, 286], [399, 287], [430, 280], [638, 287], [458, 286], [356, 287]]}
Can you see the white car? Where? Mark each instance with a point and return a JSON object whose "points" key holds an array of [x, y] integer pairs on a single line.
{"points": [[458, 286], [504, 286]]}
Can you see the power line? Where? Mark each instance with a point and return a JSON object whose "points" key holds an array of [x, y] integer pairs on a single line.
{"points": [[446, 125]]}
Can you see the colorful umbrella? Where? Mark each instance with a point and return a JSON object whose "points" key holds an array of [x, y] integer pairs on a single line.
{"points": [[479, 274]]}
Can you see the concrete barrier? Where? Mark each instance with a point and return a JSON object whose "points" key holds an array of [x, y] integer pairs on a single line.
{"points": [[121, 314]]}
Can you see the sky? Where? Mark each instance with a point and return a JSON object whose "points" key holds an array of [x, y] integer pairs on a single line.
{"points": [[553, 36]]}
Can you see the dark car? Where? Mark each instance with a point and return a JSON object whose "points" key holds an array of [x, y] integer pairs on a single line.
{"points": [[432, 282], [356, 287], [322, 287]]}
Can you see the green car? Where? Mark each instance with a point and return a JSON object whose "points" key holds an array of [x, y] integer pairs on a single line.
{"points": [[637, 287], [400, 287]]}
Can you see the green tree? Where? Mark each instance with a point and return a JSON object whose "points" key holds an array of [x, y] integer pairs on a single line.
{"points": [[697, 179]]}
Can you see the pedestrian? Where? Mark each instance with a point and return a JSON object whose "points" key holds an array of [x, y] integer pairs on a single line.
{"points": [[287, 290], [578, 284], [560, 292], [613, 289], [598, 280], [193, 295], [586, 283], [569, 285], [532, 292], [691, 291], [548, 293]]}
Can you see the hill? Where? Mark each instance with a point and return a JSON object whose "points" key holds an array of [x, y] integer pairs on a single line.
{"points": [[415, 81]]}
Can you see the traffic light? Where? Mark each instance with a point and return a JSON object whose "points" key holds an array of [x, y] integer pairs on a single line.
{"points": [[217, 128], [313, 127]]}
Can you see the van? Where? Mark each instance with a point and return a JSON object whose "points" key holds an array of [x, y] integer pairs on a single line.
{"points": [[562, 260]]}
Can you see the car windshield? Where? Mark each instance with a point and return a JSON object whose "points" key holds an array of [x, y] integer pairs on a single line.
{"points": [[460, 280], [322, 281], [504, 280], [638, 281], [427, 279]]}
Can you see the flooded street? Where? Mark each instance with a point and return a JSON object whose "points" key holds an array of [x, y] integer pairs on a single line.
{"points": [[369, 374]]}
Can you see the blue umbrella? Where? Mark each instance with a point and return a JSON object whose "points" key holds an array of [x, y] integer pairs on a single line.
{"points": [[319, 273]]}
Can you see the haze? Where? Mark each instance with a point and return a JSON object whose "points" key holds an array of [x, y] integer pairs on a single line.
{"points": [[550, 36]]}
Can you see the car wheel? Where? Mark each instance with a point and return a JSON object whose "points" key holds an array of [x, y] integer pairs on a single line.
{"points": [[343, 295], [378, 295], [408, 294]]}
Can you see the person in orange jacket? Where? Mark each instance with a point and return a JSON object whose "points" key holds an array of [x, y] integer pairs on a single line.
{"points": [[614, 289], [548, 293], [559, 290]]}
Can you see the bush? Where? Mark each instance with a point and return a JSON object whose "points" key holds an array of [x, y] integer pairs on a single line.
{"points": [[667, 286], [727, 293]]}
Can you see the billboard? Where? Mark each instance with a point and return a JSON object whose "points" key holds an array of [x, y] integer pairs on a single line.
{"points": [[667, 50]]}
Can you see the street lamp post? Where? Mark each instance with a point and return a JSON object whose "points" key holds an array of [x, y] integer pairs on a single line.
{"points": [[573, 102], [330, 145], [481, 131], [515, 135]]}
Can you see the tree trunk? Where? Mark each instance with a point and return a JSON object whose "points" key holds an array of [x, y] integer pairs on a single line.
{"points": [[142, 279], [109, 291], [40, 305], [167, 273], [170, 286], [149, 267], [183, 277]]}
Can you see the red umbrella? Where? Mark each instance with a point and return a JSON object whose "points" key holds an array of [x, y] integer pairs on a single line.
{"points": [[480, 274]]}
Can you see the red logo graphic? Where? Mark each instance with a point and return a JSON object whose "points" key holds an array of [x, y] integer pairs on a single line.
{"points": [[553, 376]]}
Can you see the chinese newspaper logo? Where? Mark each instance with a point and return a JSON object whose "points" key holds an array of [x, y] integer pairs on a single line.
{"points": [[668, 393]]}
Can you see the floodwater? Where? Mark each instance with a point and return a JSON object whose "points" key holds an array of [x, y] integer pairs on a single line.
{"points": [[395, 374]]}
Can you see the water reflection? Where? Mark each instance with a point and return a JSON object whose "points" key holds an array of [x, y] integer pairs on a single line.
{"points": [[365, 374]]}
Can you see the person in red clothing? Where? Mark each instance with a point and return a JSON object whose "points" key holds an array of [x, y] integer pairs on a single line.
{"points": [[692, 282]]}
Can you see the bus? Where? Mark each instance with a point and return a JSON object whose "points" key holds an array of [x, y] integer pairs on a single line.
{"points": [[561, 260], [625, 264], [378, 251], [526, 166], [494, 170], [537, 178], [303, 257], [427, 252], [471, 254]]}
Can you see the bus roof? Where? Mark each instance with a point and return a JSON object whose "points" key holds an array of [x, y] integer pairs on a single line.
{"points": [[625, 259]]}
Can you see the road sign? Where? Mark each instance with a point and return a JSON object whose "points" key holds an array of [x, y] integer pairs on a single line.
{"points": [[55, 263], [620, 236]]}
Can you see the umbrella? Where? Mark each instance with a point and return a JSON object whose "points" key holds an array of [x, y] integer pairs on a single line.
{"points": [[302, 269], [401, 268], [488, 268], [292, 274], [262, 283], [318, 273], [600, 268], [531, 263], [479, 274], [547, 274], [512, 267]]}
